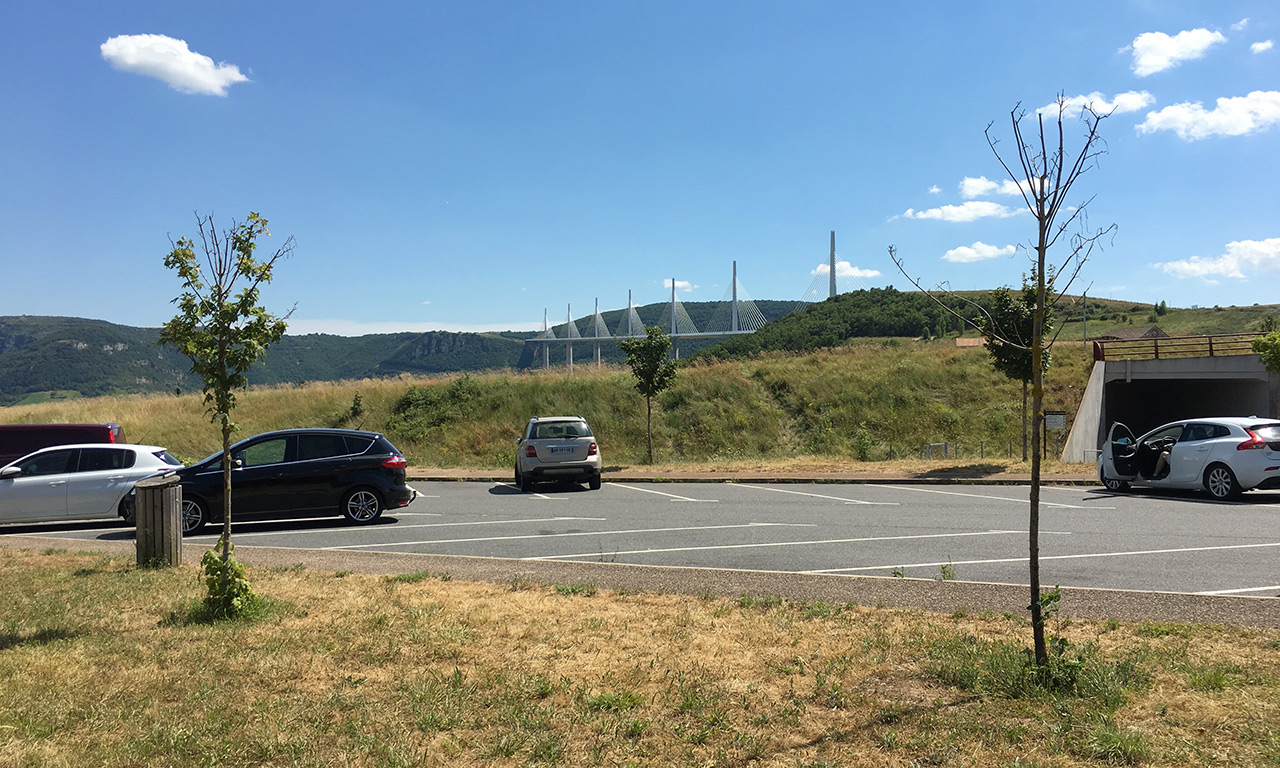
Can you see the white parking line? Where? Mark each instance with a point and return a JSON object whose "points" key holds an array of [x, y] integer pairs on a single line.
{"points": [[542, 496], [983, 496], [815, 495], [1043, 558], [1272, 588], [669, 495], [406, 527], [777, 544], [567, 535]]}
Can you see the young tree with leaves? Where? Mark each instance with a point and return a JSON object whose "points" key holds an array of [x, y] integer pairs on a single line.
{"points": [[1268, 348], [1007, 329], [224, 330], [647, 356], [1045, 173]]}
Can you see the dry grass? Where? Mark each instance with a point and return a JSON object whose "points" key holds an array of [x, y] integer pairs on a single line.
{"points": [[366, 671]]}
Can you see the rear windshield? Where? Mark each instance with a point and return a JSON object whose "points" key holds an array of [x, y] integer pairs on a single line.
{"points": [[167, 458], [561, 429], [1269, 432]]}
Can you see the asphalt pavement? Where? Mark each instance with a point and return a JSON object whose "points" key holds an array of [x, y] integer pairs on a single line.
{"points": [[931, 595]]}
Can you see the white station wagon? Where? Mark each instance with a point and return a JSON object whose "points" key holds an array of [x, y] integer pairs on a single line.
{"points": [[1224, 456]]}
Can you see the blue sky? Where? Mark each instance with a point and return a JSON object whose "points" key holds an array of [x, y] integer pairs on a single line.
{"points": [[470, 165]]}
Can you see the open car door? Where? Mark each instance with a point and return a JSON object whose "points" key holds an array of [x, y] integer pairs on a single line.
{"points": [[1123, 449]]}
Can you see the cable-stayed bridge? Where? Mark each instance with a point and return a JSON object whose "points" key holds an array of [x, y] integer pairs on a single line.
{"points": [[736, 314]]}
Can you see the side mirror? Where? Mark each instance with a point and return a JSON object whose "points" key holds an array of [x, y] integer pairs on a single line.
{"points": [[237, 463], [9, 472]]}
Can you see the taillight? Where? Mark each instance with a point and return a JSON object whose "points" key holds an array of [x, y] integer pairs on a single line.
{"points": [[395, 461], [530, 452], [592, 451], [1252, 443]]}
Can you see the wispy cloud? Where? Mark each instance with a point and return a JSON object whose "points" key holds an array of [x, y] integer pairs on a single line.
{"points": [[1236, 116], [935, 189], [845, 269], [971, 187], [979, 251], [970, 211], [1129, 101], [172, 62], [1263, 45], [1155, 51], [1240, 25], [1244, 259], [684, 286]]}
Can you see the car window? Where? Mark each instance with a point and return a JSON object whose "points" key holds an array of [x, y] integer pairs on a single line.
{"points": [[1268, 432], [99, 459], [357, 445], [51, 463], [1220, 430], [321, 447], [561, 429], [1195, 432], [266, 452], [167, 458]]}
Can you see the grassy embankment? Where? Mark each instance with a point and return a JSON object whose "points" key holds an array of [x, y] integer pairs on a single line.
{"points": [[801, 411], [101, 667]]}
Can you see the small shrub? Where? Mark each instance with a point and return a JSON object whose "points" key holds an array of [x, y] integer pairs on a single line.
{"points": [[228, 593], [1117, 746], [585, 590]]}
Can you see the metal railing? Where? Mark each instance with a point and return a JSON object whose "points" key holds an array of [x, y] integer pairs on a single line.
{"points": [[1219, 345]]}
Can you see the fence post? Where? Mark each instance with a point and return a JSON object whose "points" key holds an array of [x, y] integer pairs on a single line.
{"points": [[158, 512]]}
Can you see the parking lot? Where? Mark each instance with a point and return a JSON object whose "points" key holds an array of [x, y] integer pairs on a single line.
{"points": [[1088, 537]]}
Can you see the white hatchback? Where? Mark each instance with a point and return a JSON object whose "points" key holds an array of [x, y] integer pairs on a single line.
{"points": [[1225, 456], [78, 482]]}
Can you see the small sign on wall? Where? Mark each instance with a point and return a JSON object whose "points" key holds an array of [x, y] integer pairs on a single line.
{"points": [[1055, 419]]}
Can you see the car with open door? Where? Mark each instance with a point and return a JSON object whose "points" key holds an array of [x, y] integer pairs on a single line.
{"points": [[1222, 455]]}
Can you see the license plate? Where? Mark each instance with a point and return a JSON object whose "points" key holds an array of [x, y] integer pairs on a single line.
{"points": [[557, 450]]}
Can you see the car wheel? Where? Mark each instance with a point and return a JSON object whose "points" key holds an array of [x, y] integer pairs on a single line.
{"points": [[594, 483], [361, 505], [1111, 483], [517, 476], [129, 509], [194, 516], [1221, 482], [526, 484]]}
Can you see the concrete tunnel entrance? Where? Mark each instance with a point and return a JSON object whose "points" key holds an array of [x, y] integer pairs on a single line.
{"points": [[1144, 404], [1143, 394]]}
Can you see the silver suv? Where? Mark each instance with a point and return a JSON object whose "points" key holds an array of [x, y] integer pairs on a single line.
{"points": [[557, 448]]}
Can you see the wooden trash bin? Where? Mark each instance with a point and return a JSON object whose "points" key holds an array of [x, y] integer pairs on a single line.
{"points": [[159, 520]]}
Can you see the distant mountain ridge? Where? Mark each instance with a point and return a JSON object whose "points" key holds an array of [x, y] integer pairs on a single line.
{"points": [[95, 357], [41, 354]]}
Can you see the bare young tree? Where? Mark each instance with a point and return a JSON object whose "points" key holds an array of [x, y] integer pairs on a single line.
{"points": [[1045, 173]]}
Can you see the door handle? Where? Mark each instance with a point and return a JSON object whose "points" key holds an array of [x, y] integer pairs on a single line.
{"points": [[57, 482]]}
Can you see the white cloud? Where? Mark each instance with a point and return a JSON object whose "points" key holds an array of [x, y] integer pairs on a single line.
{"points": [[970, 211], [681, 285], [1155, 51], [172, 62], [971, 187], [979, 251], [1240, 25], [845, 269], [425, 303], [1129, 101], [1264, 45], [1236, 116], [935, 189], [1243, 259], [335, 327]]}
